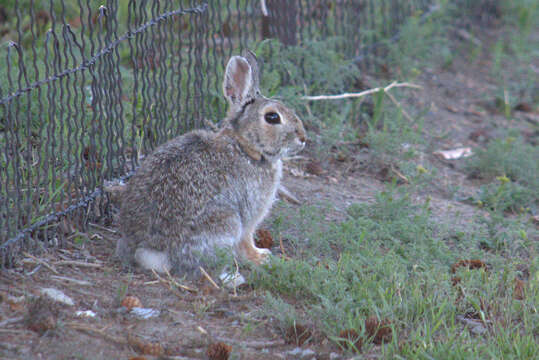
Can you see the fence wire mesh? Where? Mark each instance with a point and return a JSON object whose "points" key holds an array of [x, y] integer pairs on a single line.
{"points": [[85, 90]]}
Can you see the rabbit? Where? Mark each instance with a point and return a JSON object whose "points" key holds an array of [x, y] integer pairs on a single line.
{"points": [[206, 190]]}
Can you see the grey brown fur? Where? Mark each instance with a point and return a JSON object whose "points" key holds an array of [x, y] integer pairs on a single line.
{"points": [[204, 189]]}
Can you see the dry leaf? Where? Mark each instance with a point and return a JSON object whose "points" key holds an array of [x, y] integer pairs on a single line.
{"points": [[525, 107], [297, 334], [518, 290], [145, 348], [314, 167], [470, 264], [352, 339], [454, 153], [380, 331]]}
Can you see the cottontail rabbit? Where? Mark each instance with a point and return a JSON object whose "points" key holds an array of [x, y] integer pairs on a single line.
{"points": [[205, 190]]}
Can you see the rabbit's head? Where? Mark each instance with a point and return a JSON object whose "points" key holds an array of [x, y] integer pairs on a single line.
{"points": [[269, 126]]}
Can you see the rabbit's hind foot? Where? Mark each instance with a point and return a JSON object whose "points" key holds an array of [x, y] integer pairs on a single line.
{"points": [[152, 260], [249, 251]]}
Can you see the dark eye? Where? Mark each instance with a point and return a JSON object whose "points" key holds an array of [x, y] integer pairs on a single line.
{"points": [[272, 118]]}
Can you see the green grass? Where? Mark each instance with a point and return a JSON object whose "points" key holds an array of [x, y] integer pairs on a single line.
{"points": [[392, 259], [513, 166]]}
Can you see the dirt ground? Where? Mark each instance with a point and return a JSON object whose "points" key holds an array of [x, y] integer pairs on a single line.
{"points": [[190, 320]]}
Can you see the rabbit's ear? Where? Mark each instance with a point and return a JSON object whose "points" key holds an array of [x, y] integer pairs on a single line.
{"points": [[239, 85], [251, 59]]}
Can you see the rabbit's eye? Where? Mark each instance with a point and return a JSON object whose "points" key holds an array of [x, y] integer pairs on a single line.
{"points": [[272, 118]]}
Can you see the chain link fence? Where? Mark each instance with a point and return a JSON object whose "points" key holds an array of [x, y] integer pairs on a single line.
{"points": [[86, 90]]}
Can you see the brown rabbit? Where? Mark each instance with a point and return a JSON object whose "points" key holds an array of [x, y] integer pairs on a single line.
{"points": [[206, 190]]}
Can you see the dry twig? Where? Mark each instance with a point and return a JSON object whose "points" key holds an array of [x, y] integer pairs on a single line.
{"points": [[105, 228], [78, 263], [399, 174], [207, 276], [170, 283], [42, 262], [181, 286], [75, 281], [253, 344], [235, 275], [92, 330], [281, 245], [397, 104], [287, 195], [6, 322]]}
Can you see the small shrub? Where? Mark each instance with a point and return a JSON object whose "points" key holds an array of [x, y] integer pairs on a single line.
{"points": [[505, 195], [510, 157]]}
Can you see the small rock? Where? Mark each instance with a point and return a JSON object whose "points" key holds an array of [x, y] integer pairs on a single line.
{"points": [[301, 353], [86, 313], [232, 280], [130, 302], [144, 313], [57, 296]]}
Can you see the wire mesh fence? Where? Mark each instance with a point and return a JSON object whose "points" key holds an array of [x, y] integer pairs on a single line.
{"points": [[86, 90]]}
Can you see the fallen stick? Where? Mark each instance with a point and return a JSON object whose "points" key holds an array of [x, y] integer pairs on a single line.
{"points": [[361, 94], [75, 281]]}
